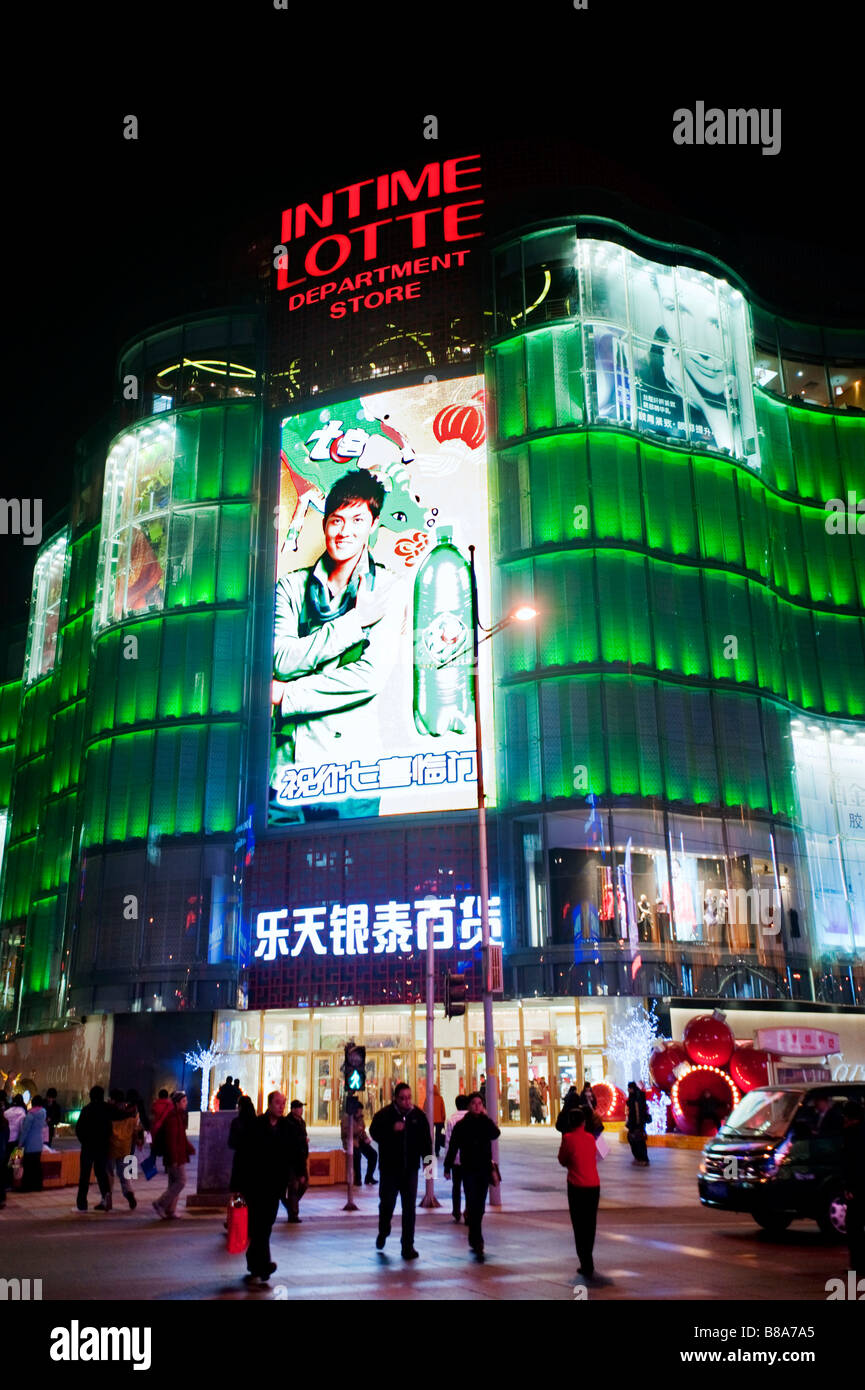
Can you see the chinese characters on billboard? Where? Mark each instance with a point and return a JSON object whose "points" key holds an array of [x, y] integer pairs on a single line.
{"points": [[390, 928], [380, 498], [667, 351]]}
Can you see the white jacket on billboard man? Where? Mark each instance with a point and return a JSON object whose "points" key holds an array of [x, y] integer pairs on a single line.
{"points": [[336, 640]]}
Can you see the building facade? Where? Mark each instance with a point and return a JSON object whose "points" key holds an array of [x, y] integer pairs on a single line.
{"points": [[667, 470]]}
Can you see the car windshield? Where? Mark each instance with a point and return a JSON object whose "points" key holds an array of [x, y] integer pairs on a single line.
{"points": [[763, 1114]]}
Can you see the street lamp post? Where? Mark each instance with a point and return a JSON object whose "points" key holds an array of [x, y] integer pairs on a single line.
{"points": [[492, 1088]]}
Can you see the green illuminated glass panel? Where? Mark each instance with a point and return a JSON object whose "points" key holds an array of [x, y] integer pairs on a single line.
{"points": [[235, 542], [229, 664], [96, 770], [764, 613], [129, 787], [731, 652], [510, 507], [510, 389], [555, 391], [777, 458], [615, 487], [717, 511], [559, 484], [210, 441], [565, 596], [178, 781], [632, 737], [41, 935], [740, 751], [18, 882], [103, 684], [841, 659], [670, 521], [779, 759], [541, 393], [817, 547], [520, 752], [222, 779], [622, 604], [687, 741], [818, 472], [572, 742], [6, 761], [240, 450], [186, 665], [677, 618], [850, 440], [755, 524], [186, 458], [514, 648]]}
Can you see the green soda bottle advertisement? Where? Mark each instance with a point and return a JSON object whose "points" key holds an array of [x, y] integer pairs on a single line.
{"points": [[443, 641]]}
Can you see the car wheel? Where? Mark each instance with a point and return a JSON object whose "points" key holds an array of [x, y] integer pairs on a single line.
{"points": [[773, 1221], [832, 1219]]}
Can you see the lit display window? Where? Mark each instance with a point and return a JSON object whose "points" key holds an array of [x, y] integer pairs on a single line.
{"points": [[47, 597], [135, 520]]}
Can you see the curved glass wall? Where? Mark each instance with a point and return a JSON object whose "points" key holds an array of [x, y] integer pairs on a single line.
{"points": [[45, 609], [700, 585]]}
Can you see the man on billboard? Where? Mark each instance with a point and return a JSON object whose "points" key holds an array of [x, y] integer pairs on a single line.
{"points": [[336, 641]]}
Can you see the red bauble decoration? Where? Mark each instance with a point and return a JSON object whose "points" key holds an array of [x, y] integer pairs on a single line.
{"points": [[612, 1103], [709, 1041], [663, 1063], [689, 1116], [465, 422], [749, 1067]]}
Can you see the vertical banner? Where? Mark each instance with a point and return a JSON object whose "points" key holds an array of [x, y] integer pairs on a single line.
{"points": [[380, 498]]}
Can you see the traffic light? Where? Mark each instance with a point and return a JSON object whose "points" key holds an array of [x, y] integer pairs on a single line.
{"points": [[455, 995], [355, 1068]]}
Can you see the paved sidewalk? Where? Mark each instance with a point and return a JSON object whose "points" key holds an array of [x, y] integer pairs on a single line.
{"points": [[655, 1241]]}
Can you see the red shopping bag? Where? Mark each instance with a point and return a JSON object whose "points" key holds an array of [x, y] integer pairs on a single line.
{"points": [[238, 1226]]}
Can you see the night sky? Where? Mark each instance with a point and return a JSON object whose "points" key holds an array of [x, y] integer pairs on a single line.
{"points": [[243, 109]]}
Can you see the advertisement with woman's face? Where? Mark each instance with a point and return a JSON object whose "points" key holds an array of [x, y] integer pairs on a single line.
{"points": [[674, 361]]}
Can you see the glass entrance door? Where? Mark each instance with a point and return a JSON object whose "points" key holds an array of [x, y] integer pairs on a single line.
{"points": [[510, 1107], [323, 1099], [539, 1072], [565, 1077]]}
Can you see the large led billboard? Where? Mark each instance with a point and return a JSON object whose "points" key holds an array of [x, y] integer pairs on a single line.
{"points": [[667, 351], [381, 496]]}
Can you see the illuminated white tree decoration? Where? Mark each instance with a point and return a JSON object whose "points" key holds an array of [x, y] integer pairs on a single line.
{"points": [[630, 1045], [202, 1059], [658, 1114]]}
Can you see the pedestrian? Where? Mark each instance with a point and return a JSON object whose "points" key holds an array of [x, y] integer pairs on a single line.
{"points": [[162, 1108], [439, 1120], [4, 1148], [536, 1106], [239, 1134], [473, 1139], [32, 1136], [637, 1122], [483, 1089], [124, 1125], [298, 1180], [177, 1152], [265, 1169], [577, 1154], [853, 1170], [589, 1102], [53, 1114], [462, 1105], [573, 1101], [402, 1134], [15, 1118], [93, 1132], [225, 1095], [134, 1098], [362, 1146]]}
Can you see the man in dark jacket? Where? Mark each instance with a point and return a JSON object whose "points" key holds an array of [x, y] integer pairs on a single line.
{"points": [[402, 1134], [473, 1139], [298, 1180], [266, 1169], [93, 1130]]}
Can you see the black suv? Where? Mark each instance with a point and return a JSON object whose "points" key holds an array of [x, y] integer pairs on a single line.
{"points": [[778, 1156]]}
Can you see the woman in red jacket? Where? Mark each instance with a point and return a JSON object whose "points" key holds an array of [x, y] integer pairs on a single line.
{"points": [[577, 1153]]}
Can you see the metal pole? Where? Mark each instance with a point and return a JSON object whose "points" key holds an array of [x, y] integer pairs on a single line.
{"points": [[350, 1204], [492, 1087], [429, 1197]]}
